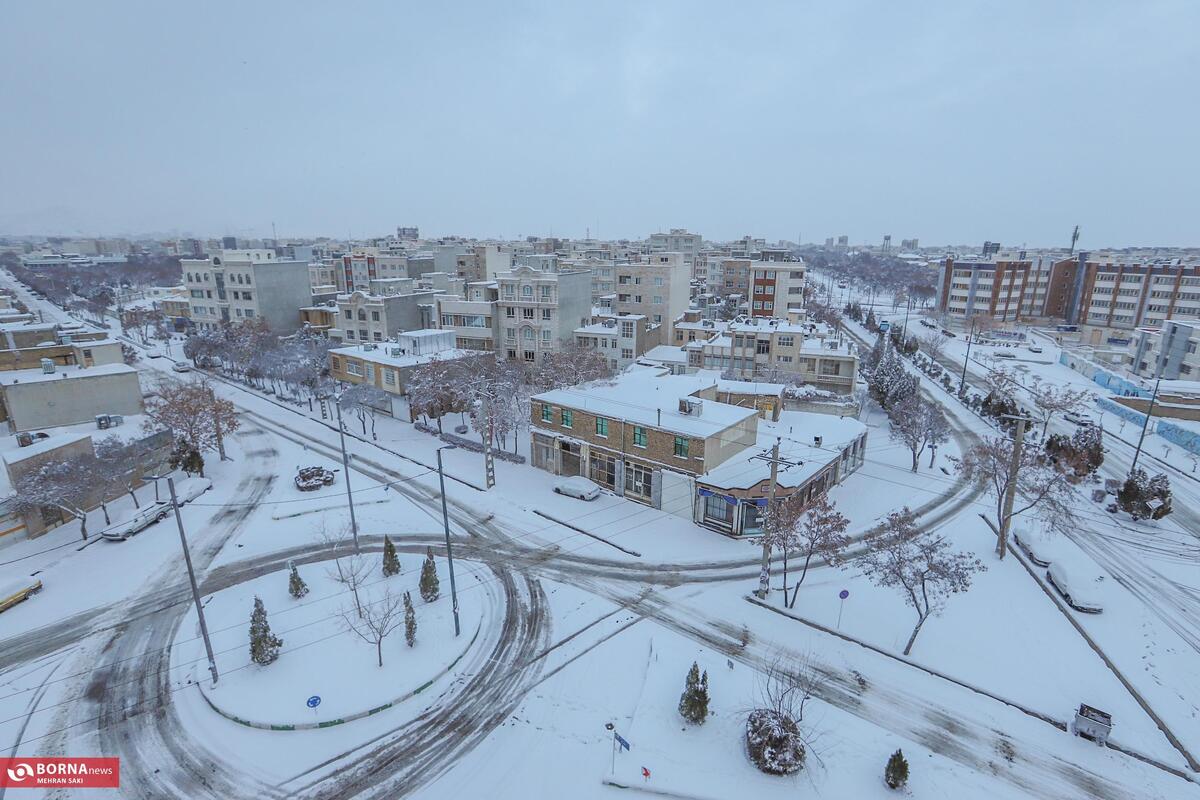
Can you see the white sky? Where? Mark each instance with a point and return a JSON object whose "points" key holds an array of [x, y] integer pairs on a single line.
{"points": [[950, 121]]}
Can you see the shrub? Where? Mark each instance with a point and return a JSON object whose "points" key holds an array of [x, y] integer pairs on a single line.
{"points": [[774, 742]]}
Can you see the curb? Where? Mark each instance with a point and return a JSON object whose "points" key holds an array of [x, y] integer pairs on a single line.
{"points": [[310, 726], [600, 539]]}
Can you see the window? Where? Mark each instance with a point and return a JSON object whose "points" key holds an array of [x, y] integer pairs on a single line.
{"points": [[658, 281], [786, 341], [762, 347], [547, 413], [568, 418], [526, 313], [374, 316], [362, 334], [389, 377], [354, 368], [362, 315], [546, 337], [249, 313], [715, 508], [627, 353], [377, 336], [601, 426], [527, 334], [530, 356], [546, 314], [639, 436], [638, 480], [510, 312], [246, 296], [511, 353], [349, 334], [681, 447], [658, 300], [526, 291], [627, 330], [348, 314], [237, 312]]}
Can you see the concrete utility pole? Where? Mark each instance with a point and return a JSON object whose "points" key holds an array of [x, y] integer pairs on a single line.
{"points": [[1010, 492], [1146, 423], [187, 557], [764, 578], [446, 526], [962, 389], [337, 402]]}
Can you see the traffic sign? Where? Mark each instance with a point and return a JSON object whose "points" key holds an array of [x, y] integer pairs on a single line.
{"points": [[621, 740], [843, 594], [314, 701]]}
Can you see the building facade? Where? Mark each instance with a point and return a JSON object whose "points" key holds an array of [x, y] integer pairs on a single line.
{"points": [[246, 285], [539, 311]]}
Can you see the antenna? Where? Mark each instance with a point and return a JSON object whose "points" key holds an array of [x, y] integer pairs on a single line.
{"points": [[1074, 239]]}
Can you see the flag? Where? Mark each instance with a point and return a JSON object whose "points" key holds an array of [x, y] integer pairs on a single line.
{"points": [[645, 773]]}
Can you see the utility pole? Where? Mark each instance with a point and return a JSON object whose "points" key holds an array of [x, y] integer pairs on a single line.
{"points": [[1146, 422], [764, 577], [446, 526], [1010, 491], [187, 558], [962, 389], [337, 403]]}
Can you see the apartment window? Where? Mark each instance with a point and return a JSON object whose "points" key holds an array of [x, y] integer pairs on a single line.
{"points": [[786, 341], [758, 304], [546, 314], [349, 334], [362, 334], [639, 436], [626, 353], [510, 312], [526, 313], [547, 413], [681, 446], [511, 353], [246, 296], [348, 314], [446, 320], [374, 316], [526, 291], [784, 359], [658, 300], [527, 334], [715, 508], [354, 368], [530, 356], [377, 336], [762, 347], [601, 427], [250, 313], [237, 312], [658, 281], [627, 330], [389, 377]]}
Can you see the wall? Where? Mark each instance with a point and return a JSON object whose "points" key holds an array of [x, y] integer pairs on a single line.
{"points": [[45, 404], [281, 290]]}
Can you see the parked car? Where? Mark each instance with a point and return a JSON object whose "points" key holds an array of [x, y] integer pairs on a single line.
{"points": [[17, 590], [578, 486], [1033, 546], [1004, 355], [154, 352], [1073, 589], [142, 519], [181, 366], [1035, 348], [1078, 419], [191, 488]]}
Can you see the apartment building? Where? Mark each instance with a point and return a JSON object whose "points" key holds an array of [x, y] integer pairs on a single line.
{"points": [[1170, 352], [319, 319], [775, 287], [678, 240], [354, 271], [368, 317], [692, 325], [48, 396], [620, 339], [471, 316], [992, 289], [1127, 296], [242, 285], [539, 311], [658, 288], [757, 348], [389, 365]]}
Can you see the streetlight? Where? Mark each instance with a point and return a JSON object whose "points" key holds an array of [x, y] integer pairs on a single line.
{"points": [[446, 526], [187, 558], [962, 390], [336, 397]]}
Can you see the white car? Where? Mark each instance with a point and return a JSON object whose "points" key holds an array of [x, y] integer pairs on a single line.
{"points": [[181, 366], [154, 352], [578, 486], [1035, 348], [1073, 589], [142, 519], [189, 489], [1078, 419], [1034, 546]]}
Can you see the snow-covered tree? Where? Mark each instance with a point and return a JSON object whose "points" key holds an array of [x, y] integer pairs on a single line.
{"points": [[918, 424], [1143, 496], [264, 645], [919, 564], [571, 365], [933, 343], [187, 458], [410, 621], [297, 588], [68, 485], [820, 534], [429, 585], [192, 412], [1082, 452], [890, 382], [435, 389], [120, 465], [349, 568], [1040, 485], [376, 620], [693, 704], [895, 774], [391, 564], [364, 401], [1050, 399], [778, 738]]}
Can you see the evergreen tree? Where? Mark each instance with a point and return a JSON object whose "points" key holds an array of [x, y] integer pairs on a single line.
{"points": [[1159, 488], [896, 772], [297, 588], [1133, 492], [391, 564], [410, 621], [429, 579], [693, 704], [264, 645]]}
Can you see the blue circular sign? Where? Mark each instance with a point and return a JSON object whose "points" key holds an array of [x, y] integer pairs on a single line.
{"points": [[842, 594], [314, 701]]}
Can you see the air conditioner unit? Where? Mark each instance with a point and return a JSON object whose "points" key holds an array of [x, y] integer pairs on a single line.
{"points": [[395, 352], [690, 406], [817, 441], [47, 366]]}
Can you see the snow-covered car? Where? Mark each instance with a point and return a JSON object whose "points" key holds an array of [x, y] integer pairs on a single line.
{"points": [[17, 590], [143, 518], [1035, 348], [578, 486], [1073, 589], [1034, 546], [154, 352], [191, 488], [181, 366], [309, 479], [1078, 419]]}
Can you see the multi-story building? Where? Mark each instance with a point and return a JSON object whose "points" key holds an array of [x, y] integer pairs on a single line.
{"points": [[775, 288], [355, 271], [241, 285], [1171, 352], [620, 339], [692, 325], [677, 241], [990, 289], [658, 288], [472, 318], [758, 348], [365, 317], [539, 311], [319, 319]]}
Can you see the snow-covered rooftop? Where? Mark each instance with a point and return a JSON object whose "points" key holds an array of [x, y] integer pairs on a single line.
{"points": [[61, 373], [666, 353], [650, 397], [795, 430], [382, 355]]}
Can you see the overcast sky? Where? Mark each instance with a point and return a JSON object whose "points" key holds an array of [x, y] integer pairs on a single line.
{"points": [[952, 122]]}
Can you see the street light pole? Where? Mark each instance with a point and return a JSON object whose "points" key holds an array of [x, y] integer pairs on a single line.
{"points": [[1146, 422], [446, 526], [962, 389], [187, 557], [337, 402]]}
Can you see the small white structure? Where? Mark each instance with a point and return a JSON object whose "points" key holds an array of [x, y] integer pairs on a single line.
{"points": [[1092, 723]]}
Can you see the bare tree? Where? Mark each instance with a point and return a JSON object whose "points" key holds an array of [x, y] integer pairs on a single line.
{"points": [[918, 424], [68, 485], [572, 365], [1038, 485], [120, 465], [919, 564], [778, 737], [933, 343], [1050, 399], [193, 413], [364, 401], [821, 534], [349, 568], [376, 620], [435, 389]]}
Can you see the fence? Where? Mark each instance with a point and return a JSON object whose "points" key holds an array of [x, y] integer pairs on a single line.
{"points": [[1176, 434]]}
